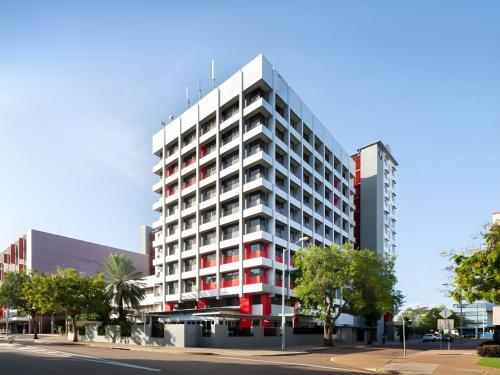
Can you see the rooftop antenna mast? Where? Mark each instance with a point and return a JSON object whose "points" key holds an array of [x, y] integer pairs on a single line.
{"points": [[213, 73], [187, 97], [199, 89]]}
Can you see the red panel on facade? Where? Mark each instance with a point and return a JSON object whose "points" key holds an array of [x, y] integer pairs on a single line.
{"points": [[13, 254], [6, 258], [21, 248], [169, 306], [265, 299], [246, 308], [201, 304]]}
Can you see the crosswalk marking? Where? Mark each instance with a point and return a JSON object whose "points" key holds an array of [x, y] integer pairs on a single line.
{"points": [[56, 353]]}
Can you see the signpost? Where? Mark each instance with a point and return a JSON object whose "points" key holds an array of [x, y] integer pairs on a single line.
{"points": [[445, 323]]}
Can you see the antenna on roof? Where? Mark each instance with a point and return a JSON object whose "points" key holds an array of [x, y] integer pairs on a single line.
{"points": [[171, 118], [187, 97], [199, 89], [213, 73]]}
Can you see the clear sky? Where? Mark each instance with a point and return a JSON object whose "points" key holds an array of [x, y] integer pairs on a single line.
{"points": [[83, 87]]}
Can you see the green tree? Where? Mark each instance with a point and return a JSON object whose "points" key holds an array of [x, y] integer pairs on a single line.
{"points": [[123, 283], [72, 293], [477, 273], [372, 292], [14, 292], [361, 279]]}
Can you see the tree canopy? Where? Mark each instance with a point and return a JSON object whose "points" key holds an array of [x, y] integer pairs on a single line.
{"points": [[338, 279], [477, 272], [73, 293], [15, 292]]}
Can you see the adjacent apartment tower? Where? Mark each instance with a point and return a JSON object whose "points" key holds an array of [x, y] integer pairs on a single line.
{"points": [[375, 199], [243, 174]]}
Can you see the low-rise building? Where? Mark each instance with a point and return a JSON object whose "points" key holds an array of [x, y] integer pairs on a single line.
{"points": [[45, 252]]}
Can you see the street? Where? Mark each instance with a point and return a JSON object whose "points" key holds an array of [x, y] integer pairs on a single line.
{"points": [[75, 359]]}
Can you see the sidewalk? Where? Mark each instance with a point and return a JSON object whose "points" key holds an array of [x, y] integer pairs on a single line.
{"points": [[391, 361]]}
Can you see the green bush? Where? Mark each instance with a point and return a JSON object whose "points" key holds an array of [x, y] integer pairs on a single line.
{"points": [[489, 351], [125, 328], [157, 329], [81, 331], [101, 330]]}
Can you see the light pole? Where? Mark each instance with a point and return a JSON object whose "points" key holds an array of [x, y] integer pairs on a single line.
{"points": [[404, 336], [285, 269]]}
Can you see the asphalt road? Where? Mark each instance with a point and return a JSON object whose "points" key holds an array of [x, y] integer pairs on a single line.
{"points": [[20, 359]]}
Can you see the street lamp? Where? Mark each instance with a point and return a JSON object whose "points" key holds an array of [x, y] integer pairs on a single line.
{"points": [[285, 269]]}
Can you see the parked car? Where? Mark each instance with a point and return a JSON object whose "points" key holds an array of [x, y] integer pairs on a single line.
{"points": [[438, 337], [428, 337]]}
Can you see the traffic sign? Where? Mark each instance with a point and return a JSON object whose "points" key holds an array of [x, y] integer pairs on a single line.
{"points": [[445, 324], [445, 313]]}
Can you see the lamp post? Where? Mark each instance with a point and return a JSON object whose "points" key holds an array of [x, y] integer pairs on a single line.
{"points": [[285, 269]]}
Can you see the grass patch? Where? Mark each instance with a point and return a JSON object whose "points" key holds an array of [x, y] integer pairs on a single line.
{"points": [[490, 362]]}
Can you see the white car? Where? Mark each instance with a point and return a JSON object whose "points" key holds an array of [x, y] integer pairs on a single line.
{"points": [[428, 337]]}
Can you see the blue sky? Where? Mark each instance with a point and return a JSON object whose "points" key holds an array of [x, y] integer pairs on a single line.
{"points": [[83, 86]]}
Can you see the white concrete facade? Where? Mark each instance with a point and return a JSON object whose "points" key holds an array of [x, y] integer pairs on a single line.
{"points": [[243, 174]]}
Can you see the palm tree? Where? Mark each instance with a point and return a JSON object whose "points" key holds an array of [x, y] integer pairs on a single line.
{"points": [[123, 283]]}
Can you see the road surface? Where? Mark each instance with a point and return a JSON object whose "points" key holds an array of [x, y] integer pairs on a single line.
{"points": [[20, 359]]}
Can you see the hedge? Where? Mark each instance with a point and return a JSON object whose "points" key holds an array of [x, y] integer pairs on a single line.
{"points": [[489, 351]]}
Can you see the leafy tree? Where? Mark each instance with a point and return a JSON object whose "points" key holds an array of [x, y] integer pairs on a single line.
{"points": [[372, 291], [123, 283], [72, 293], [15, 293], [361, 279], [477, 273]]}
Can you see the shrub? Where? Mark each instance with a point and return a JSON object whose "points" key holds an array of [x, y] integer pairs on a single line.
{"points": [[489, 351], [101, 330], [157, 330], [125, 328], [81, 331]]}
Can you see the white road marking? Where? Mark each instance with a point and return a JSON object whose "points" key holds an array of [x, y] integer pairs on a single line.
{"points": [[295, 364], [69, 355]]}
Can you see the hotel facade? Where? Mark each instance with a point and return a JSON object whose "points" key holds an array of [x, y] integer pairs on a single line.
{"points": [[244, 174]]}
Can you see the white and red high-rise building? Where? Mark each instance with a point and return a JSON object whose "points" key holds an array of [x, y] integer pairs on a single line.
{"points": [[243, 174]]}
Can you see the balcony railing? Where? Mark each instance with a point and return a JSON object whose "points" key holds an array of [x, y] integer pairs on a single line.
{"points": [[230, 259], [260, 279], [189, 162], [210, 286], [230, 283]]}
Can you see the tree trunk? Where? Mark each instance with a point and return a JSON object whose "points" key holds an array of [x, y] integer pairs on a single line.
{"points": [[75, 331], [328, 331], [35, 327], [121, 313]]}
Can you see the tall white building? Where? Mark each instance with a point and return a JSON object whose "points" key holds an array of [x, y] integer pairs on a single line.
{"points": [[375, 199], [243, 174]]}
